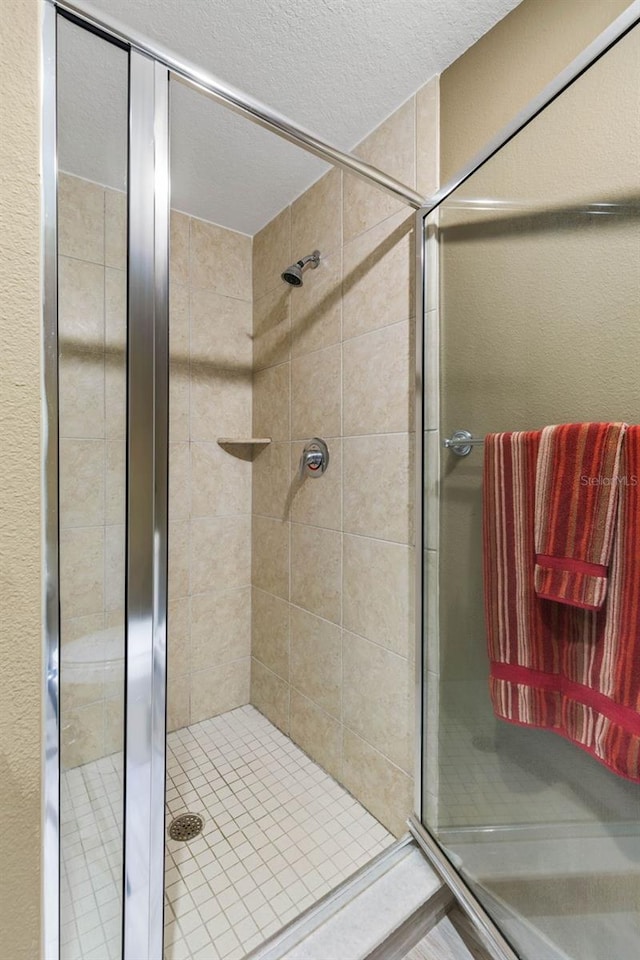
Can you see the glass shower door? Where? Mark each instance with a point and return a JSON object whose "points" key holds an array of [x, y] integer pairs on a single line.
{"points": [[92, 348], [108, 357], [535, 310]]}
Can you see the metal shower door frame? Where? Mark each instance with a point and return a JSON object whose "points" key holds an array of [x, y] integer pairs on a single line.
{"points": [[147, 507], [146, 500]]}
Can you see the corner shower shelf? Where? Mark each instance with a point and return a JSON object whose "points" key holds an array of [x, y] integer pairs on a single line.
{"points": [[244, 448]]}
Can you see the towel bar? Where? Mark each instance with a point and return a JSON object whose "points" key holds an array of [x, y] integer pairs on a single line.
{"points": [[461, 442]]}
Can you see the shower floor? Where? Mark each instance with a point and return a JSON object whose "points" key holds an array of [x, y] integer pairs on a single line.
{"points": [[278, 834]]}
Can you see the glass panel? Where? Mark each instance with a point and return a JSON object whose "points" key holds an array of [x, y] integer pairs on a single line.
{"points": [[538, 292], [92, 246], [287, 615]]}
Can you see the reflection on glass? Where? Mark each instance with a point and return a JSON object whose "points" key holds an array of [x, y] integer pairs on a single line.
{"points": [[92, 108], [539, 286]]}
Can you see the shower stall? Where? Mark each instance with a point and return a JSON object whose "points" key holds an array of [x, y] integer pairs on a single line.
{"points": [[265, 642]]}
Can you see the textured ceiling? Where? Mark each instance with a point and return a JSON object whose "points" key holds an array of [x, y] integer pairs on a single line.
{"points": [[337, 67]]}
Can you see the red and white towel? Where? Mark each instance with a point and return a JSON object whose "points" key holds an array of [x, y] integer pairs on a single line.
{"points": [[565, 668], [577, 481]]}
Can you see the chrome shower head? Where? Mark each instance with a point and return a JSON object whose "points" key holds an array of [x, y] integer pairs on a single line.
{"points": [[293, 274]]}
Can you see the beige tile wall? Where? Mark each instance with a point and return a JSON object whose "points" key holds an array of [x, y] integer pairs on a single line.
{"points": [[209, 486], [92, 325], [332, 649]]}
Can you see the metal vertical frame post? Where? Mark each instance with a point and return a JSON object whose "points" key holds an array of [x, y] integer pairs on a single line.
{"points": [[51, 537], [420, 600], [147, 460]]}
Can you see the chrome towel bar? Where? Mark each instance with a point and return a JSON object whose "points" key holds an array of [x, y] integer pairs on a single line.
{"points": [[461, 442]]}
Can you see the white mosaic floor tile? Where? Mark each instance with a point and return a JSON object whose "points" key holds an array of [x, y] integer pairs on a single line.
{"points": [[279, 833]]}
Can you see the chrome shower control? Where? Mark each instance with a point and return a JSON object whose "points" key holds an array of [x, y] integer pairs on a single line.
{"points": [[315, 458]]}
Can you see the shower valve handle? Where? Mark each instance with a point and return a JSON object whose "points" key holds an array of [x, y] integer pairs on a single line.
{"points": [[315, 458]]}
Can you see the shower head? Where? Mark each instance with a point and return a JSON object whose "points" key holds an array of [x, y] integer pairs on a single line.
{"points": [[293, 274]]}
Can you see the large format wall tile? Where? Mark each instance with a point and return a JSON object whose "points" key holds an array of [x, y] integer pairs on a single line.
{"points": [[218, 689], [316, 394], [377, 276], [220, 627], [375, 382], [317, 500], [179, 481], [271, 402], [179, 322], [316, 217], [270, 694], [316, 660], [270, 631], [81, 397], [81, 571], [221, 331], [377, 486], [178, 702], [376, 694], [178, 579], [270, 556], [272, 253], [319, 734], [179, 634], [272, 327], [220, 482], [82, 483], [391, 147], [179, 261], [316, 307], [381, 786], [220, 260], [80, 219], [271, 486], [378, 592], [220, 553], [220, 403], [115, 229], [80, 307], [316, 570], [428, 138]]}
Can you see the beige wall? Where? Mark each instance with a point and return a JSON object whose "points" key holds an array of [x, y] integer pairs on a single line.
{"points": [[20, 597], [490, 83], [333, 556], [209, 486]]}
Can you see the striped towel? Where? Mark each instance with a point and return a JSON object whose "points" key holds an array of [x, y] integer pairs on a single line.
{"points": [[576, 501], [563, 668]]}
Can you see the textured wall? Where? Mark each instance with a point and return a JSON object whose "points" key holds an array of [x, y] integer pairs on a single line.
{"points": [[490, 83], [20, 597], [333, 557]]}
